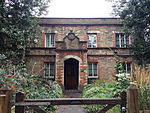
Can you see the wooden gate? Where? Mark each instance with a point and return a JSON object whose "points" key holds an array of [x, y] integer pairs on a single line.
{"points": [[23, 104]]}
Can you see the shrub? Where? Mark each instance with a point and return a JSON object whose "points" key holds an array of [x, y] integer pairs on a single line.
{"points": [[99, 89], [122, 83], [16, 78]]}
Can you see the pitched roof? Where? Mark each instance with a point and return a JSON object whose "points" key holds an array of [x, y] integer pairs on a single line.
{"points": [[80, 21]]}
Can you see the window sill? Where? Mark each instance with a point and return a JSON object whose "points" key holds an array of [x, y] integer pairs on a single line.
{"points": [[92, 76], [50, 47], [123, 47], [91, 47], [49, 77]]}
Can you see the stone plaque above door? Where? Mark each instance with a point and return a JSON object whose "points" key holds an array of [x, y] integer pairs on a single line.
{"points": [[71, 41]]}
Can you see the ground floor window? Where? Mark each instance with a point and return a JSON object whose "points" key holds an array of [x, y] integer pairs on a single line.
{"points": [[127, 67], [92, 70], [49, 70]]}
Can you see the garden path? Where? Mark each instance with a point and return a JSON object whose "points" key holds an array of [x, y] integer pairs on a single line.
{"points": [[71, 108]]}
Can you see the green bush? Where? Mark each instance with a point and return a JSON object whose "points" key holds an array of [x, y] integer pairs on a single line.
{"points": [[99, 89], [17, 79], [45, 91]]}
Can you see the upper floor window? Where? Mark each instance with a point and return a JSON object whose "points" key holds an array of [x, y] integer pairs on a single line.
{"points": [[92, 40], [92, 70], [49, 40], [49, 70], [127, 66], [122, 40]]}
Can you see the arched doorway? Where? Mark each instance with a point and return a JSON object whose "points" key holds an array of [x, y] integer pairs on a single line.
{"points": [[71, 73]]}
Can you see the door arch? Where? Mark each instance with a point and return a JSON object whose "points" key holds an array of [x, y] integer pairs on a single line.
{"points": [[71, 73]]}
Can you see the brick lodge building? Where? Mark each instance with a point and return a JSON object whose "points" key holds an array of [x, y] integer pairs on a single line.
{"points": [[75, 51]]}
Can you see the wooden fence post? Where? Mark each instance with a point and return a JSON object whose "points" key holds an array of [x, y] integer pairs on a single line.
{"points": [[5, 101], [123, 96], [19, 98], [133, 105]]}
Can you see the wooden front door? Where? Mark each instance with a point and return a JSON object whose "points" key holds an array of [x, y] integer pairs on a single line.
{"points": [[71, 71]]}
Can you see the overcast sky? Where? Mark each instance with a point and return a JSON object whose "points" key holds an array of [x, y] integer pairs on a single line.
{"points": [[80, 8]]}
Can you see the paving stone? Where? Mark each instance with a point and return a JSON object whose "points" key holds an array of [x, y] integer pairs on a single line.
{"points": [[71, 108]]}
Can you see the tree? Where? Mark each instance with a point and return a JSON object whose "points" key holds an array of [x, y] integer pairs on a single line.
{"points": [[135, 15], [19, 27]]}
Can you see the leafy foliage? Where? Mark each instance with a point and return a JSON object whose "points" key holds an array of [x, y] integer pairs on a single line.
{"points": [[18, 26], [16, 78], [99, 89], [119, 66], [122, 79], [136, 23], [123, 82]]}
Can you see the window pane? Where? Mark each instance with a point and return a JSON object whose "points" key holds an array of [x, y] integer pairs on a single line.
{"points": [[92, 40], [92, 69], [117, 40], [94, 66], [90, 66], [49, 70], [95, 72], [95, 69], [128, 67], [52, 40], [127, 42], [46, 65], [46, 70], [47, 41], [90, 72], [121, 40], [52, 70]]}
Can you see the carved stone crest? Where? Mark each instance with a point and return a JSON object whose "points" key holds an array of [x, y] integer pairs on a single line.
{"points": [[71, 41]]}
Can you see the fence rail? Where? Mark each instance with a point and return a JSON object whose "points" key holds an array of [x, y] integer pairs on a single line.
{"points": [[21, 104], [69, 101]]}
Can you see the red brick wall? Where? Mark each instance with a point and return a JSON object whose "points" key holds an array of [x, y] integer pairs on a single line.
{"points": [[61, 57], [106, 35], [103, 55]]}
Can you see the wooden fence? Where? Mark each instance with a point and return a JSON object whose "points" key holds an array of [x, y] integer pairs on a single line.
{"points": [[22, 104]]}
